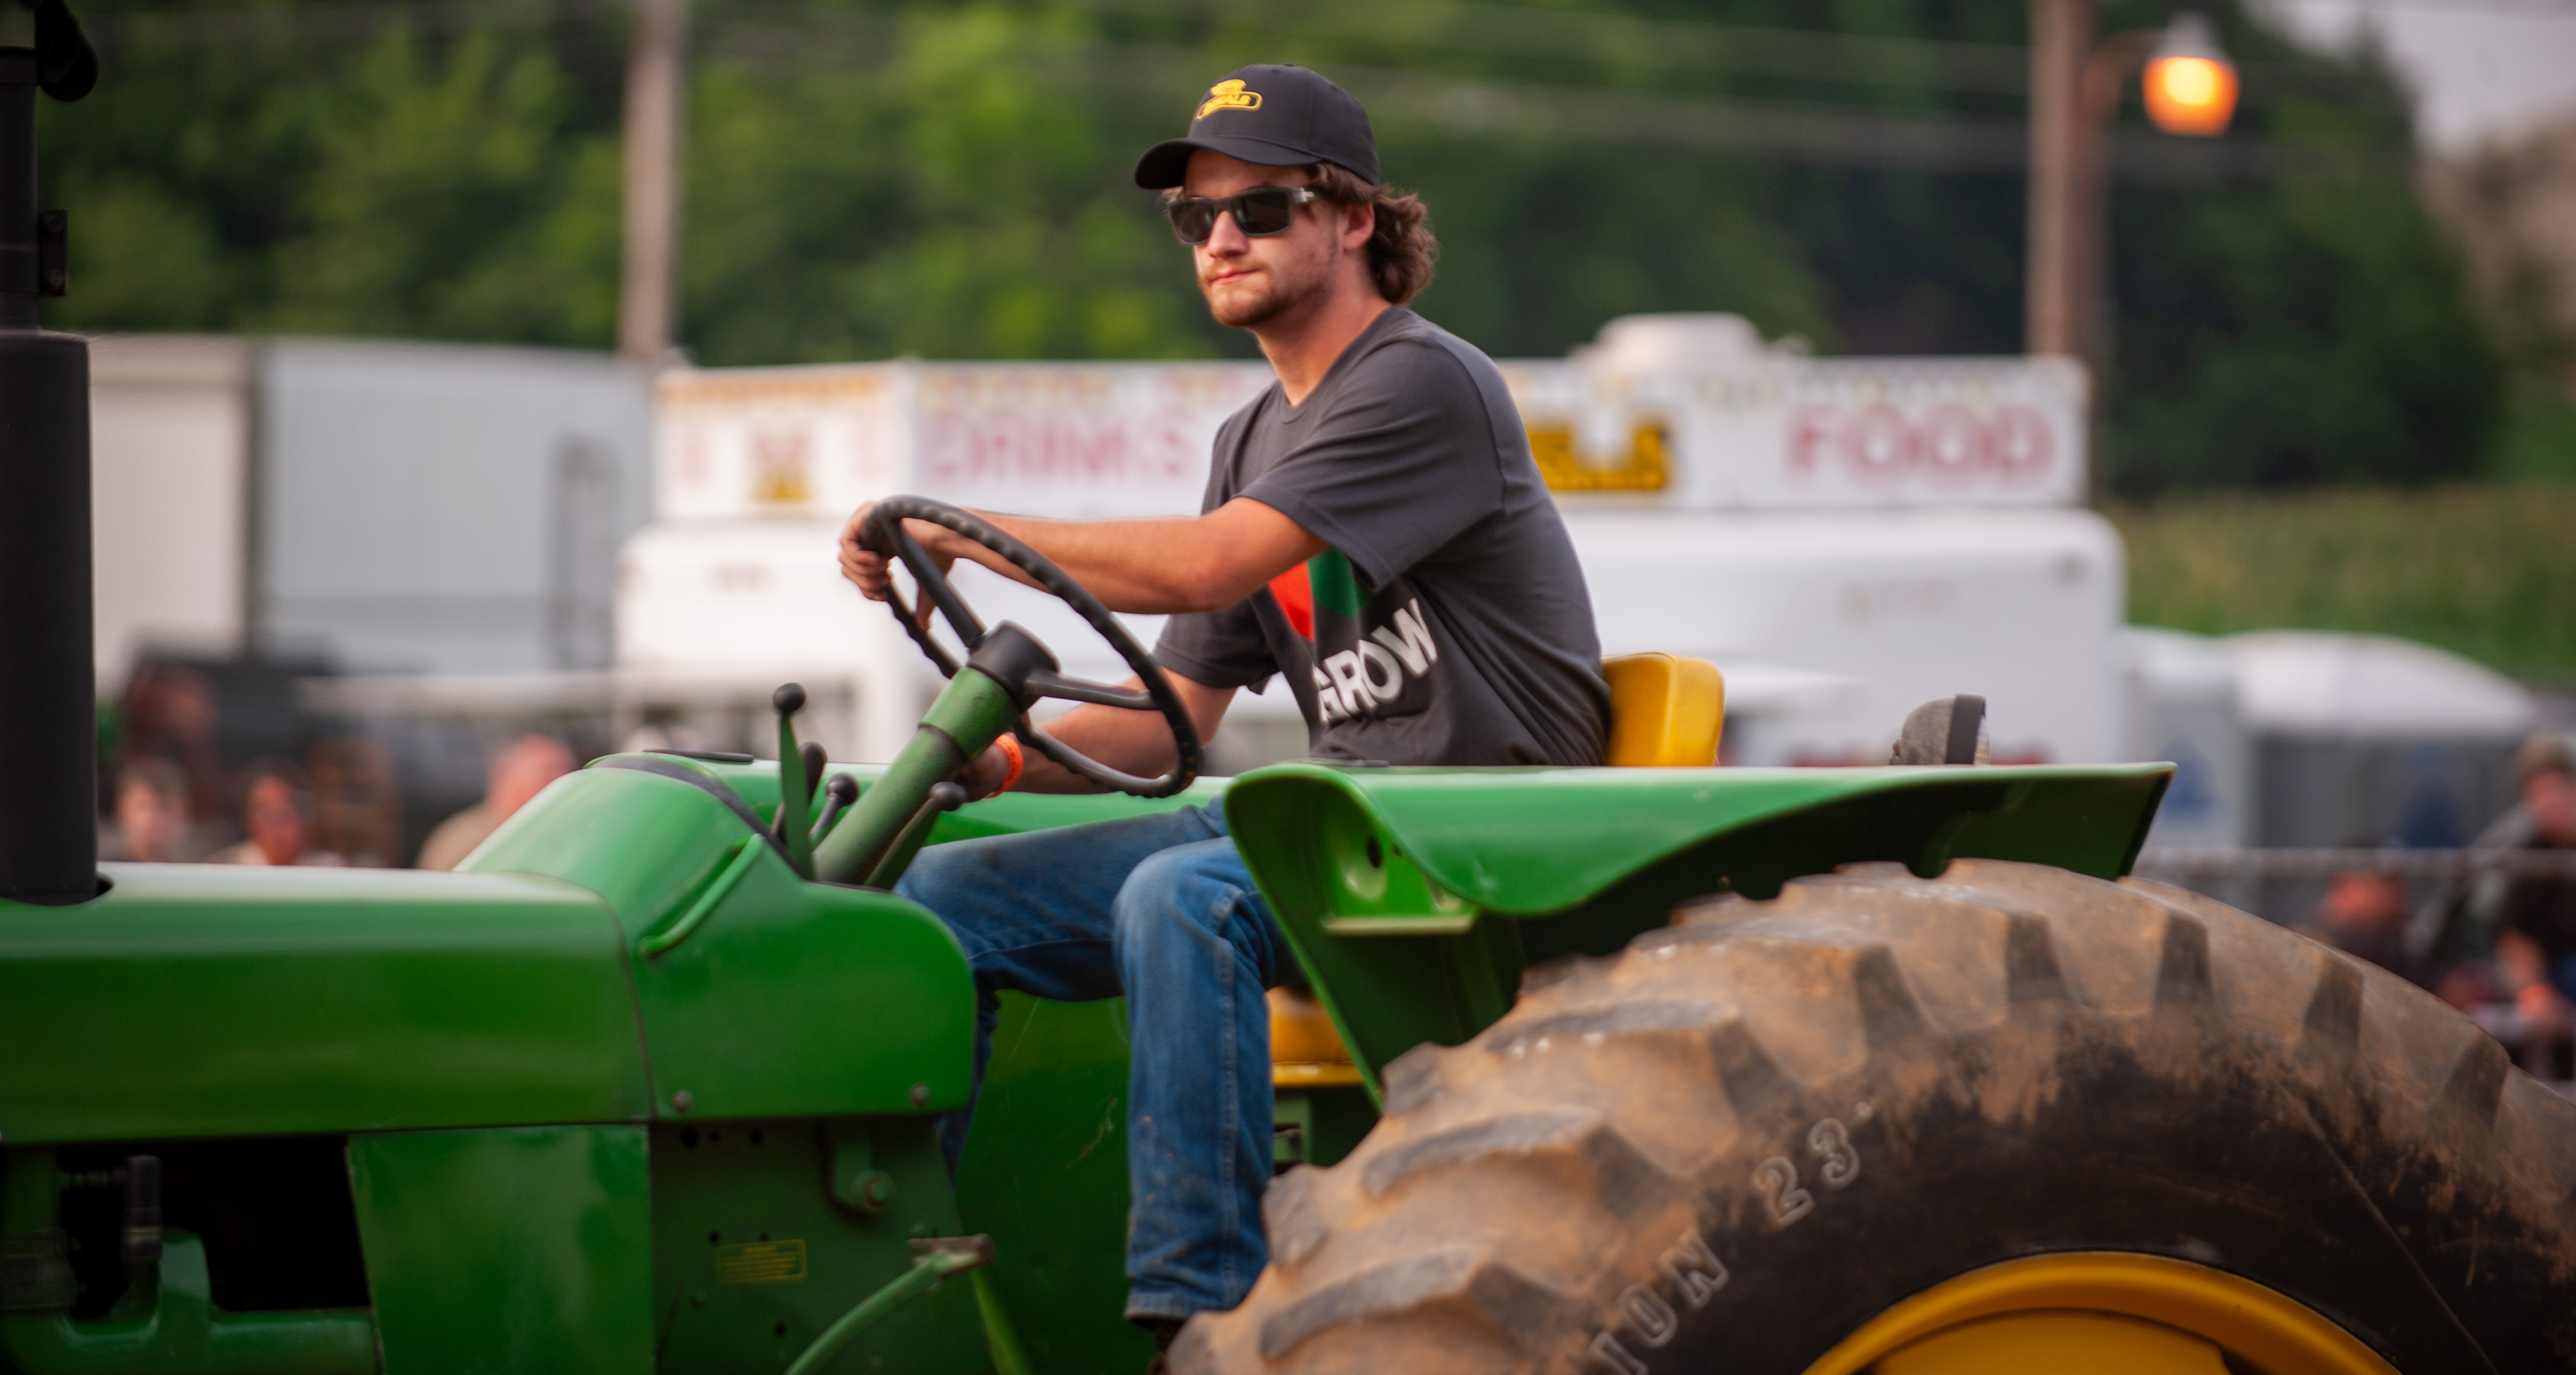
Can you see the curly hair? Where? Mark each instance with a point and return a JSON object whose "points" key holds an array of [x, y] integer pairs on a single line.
{"points": [[1402, 252]]}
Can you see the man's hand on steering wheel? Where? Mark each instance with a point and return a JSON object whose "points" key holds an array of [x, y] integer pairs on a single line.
{"points": [[874, 572]]}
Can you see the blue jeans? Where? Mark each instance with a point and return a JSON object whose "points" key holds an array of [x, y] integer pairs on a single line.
{"points": [[1160, 909]]}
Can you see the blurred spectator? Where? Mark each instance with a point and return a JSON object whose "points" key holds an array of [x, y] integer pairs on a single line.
{"points": [[169, 713], [151, 813], [357, 808], [2365, 914], [277, 818], [2536, 930], [520, 772], [2469, 984]]}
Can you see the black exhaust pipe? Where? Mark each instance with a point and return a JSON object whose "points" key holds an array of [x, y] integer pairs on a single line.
{"points": [[48, 688]]}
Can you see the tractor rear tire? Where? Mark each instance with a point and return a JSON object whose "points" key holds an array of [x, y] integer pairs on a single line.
{"points": [[1736, 1143]]}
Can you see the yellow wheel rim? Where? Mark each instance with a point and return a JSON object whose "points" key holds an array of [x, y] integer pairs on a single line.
{"points": [[2113, 1313]]}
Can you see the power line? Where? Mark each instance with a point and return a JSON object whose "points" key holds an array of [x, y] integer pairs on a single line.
{"points": [[1428, 28], [1798, 131], [1837, 135], [2536, 9], [1636, 43], [1795, 131], [1420, 34], [338, 21], [1620, 39]]}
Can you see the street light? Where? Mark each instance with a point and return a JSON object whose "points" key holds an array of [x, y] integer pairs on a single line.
{"points": [[2190, 89], [2190, 84]]}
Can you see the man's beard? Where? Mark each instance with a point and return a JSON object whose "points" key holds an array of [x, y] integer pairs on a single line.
{"points": [[1261, 310], [1286, 293]]}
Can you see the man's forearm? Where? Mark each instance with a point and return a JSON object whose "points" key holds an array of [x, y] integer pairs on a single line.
{"points": [[1160, 566], [1137, 742], [1101, 555]]}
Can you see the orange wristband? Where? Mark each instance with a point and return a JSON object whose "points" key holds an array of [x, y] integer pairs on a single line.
{"points": [[1010, 750]]}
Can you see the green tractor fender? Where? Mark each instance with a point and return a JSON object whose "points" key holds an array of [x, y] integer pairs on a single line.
{"points": [[1415, 898]]}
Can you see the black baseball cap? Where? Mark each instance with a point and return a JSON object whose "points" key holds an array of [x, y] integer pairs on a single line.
{"points": [[1273, 115]]}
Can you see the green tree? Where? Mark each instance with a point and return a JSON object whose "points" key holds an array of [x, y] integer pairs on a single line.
{"points": [[175, 173], [147, 259], [448, 199], [2311, 333], [308, 167], [950, 203]]}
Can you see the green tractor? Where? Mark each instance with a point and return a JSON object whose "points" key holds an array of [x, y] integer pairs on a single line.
{"points": [[1647, 1069], [1625, 1069]]}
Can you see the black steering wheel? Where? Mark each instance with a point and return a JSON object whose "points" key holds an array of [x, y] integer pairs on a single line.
{"points": [[884, 532]]}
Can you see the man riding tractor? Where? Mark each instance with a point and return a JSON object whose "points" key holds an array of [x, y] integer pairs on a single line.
{"points": [[1649, 1067], [1374, 531]]}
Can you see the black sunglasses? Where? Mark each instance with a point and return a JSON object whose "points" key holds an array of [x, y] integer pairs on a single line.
{"points": [[1259, 212]]}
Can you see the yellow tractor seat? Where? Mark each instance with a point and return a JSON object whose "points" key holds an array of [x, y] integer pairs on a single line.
{"points": [[1666, 711], [1305, 1051]]}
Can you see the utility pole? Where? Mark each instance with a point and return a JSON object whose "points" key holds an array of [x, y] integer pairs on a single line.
{"points": [[647, 306], [2055, 287]]}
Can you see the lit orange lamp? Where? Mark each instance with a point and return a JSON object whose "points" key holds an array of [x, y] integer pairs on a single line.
{"points": [[2191, 86]]}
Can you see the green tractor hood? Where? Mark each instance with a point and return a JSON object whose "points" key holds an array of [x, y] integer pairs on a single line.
{"points": [[1390, 882], [628, 950], [220, 1000]]}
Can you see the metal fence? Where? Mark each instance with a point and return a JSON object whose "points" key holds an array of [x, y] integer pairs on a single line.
{"points": [[2262, 864]]}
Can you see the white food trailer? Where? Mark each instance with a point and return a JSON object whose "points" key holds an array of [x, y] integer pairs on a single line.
{"points": [[1846, 537]]}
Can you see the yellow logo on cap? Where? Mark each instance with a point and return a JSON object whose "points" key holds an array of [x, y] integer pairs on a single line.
{"points": [[1228, 95]]}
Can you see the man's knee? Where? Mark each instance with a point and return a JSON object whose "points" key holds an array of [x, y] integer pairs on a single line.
{"points": [[938, 878], [1204, 886]]}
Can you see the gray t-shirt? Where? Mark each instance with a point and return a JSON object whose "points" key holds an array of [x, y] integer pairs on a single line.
{"points": [[1448, 623]]}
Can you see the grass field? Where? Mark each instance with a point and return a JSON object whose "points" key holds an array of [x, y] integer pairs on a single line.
{"points": [[2485, 570]]}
